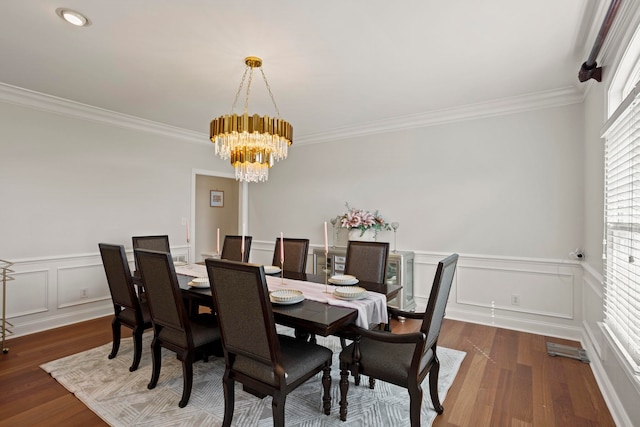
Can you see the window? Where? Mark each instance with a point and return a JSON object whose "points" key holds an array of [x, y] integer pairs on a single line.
{"points": [[622, 227]]}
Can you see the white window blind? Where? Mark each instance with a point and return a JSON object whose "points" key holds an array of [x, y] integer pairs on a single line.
{"points": [[622, 228]]}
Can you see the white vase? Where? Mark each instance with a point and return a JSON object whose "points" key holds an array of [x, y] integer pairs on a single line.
{"points": [[368, 236]]}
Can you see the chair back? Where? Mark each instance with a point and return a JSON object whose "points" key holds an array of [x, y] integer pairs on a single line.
{"points": [[116, 268], [243, 308], [295, 254], [168, 311], [367, 260], [434, 314], [154, 243], [232, 248]]}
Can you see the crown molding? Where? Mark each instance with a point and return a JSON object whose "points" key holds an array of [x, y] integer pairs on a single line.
{"points": [[540, 100], [40, 101]]}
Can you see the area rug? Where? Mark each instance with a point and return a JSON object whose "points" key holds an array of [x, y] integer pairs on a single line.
{"points": [[121, 398]]}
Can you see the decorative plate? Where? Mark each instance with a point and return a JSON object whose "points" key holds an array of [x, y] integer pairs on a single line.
{"points": [[271, 269], [199, 282], [343, 279], [350, 292], [286, 296]]}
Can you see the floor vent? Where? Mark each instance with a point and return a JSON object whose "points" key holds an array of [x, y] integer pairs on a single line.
{"points": [[580, 354]]}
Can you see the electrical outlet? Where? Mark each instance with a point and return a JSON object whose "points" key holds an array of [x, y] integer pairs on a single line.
{"points": [[515, 299], [84, 293], [183, 221]]}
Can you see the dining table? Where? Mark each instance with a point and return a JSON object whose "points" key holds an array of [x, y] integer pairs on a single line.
{"points": [[320, 313]]}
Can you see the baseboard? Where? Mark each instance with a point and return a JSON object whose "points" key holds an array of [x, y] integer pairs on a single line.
{"points": [[517, 324], [51, 322]]}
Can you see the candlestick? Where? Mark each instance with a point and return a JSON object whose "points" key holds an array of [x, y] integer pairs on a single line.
{"points": [[395, 226], [326, 270]]}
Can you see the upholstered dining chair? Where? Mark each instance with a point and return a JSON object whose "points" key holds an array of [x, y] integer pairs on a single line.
{"points": [[295, 254], [127, 308], [154, 243], [367, 260], [232, 248], [255, 355], [173, 329], [403, 359]]}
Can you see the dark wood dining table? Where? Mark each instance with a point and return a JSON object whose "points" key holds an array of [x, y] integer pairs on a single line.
{"points": [[311, 316]]}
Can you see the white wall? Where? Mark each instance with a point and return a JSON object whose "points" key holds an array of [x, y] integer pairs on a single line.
{"points": [[67, 184], [507, 186], [620, 387]]}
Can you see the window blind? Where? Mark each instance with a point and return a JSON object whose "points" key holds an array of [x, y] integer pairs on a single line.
{"points": [[622, 228]]}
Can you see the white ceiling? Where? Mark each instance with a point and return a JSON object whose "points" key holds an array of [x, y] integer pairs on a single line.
{"points": [[331, 64]]}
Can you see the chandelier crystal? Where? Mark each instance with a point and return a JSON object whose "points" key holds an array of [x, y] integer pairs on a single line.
{"points": [[251, 143]]}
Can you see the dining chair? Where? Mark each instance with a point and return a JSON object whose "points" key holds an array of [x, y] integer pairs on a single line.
{"points": [[173, 329], [127, 308], [255, 355], [232, 248], [402, 359], [295, 254], [367, 260], [154, 243]]}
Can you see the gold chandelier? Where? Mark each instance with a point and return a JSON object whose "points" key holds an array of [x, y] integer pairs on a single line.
{"points": [[251, 143]]}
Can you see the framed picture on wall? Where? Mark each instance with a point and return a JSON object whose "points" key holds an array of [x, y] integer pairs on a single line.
{"points": [[217, 199]]}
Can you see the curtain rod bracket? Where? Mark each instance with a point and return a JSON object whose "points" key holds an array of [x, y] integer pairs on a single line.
{"points": [[593, 72]]}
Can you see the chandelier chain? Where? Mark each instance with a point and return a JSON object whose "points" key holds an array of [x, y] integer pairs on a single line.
{"points": [[266, 82], [246, 101], [235, 101]]}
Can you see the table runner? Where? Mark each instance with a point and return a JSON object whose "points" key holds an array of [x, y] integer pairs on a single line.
{"points": [[371, 310]]}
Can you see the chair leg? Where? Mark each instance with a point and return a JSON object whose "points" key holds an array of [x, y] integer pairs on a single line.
{"points": [[187, 380], [415, 403], [115, 328], [344, 388], [343, 342], [156, 359], [137, 347], [229, 398], [372, 383], [326, 384], [277, 407], [434, 372]]}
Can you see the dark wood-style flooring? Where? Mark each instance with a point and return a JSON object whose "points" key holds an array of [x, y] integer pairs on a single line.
{"points": [[506, 379]]}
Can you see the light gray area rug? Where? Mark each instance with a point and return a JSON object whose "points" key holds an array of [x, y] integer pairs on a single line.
{"points": [[121, 398]]}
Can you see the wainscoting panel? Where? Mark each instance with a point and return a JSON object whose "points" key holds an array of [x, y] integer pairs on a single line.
{"points": [[81, 285], [531, 291], [28, 294]]}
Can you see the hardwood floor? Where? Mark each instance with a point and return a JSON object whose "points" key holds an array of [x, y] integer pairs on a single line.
{"points": [[506, 379]]}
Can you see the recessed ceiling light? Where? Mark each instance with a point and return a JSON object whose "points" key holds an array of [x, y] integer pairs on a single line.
{"points": [[73, 17]]}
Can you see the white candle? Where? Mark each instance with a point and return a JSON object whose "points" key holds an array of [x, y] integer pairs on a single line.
{"points": [[187, 231], [326, 241], [218, 241], [282, 247], [242, 247]]}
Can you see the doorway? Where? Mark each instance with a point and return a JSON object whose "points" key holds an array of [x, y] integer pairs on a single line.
{"points": [[216, 204]]}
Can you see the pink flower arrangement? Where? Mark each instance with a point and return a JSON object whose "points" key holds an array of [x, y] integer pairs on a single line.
{"points": [[362, 220]]}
